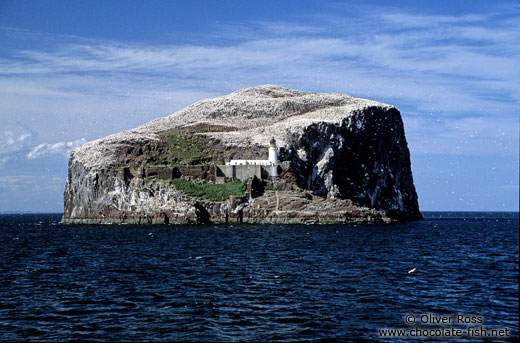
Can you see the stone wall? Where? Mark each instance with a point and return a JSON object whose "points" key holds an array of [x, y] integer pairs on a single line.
{"points": [[242, 172], [205, 172], [162, 172]]}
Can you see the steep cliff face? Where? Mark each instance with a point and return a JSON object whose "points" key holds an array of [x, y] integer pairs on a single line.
{"points": [[348, 155], [364, 158]]}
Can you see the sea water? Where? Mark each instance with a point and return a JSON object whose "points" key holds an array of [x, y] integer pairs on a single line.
{"points": [[253, 282]]}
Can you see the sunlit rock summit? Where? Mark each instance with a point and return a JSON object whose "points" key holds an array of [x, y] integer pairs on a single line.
{"points": [[339, 159]]}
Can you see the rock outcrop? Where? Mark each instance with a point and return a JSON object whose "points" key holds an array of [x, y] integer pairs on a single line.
{"points": [[346, 160]]}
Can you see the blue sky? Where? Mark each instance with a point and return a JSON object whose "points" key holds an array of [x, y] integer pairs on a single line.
{"points": [[74, 71]]}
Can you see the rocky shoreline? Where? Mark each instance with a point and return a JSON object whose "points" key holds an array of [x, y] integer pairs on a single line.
{"points": [[274, 207]]}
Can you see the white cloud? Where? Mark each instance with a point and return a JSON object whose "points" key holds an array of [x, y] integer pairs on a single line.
{"points": [[408, 48], [61, 148], [15, 140], [408, 20]]}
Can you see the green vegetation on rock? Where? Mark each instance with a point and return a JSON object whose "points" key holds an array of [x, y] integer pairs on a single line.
{"points": [[186, 147], [210, 191]]}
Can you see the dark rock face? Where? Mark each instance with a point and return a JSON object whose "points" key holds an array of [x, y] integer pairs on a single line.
{"points": [[365, 159], [342, 160]]}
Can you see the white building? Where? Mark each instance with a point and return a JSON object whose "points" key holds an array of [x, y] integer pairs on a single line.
{"points": [[272, 161], [248, 163]]}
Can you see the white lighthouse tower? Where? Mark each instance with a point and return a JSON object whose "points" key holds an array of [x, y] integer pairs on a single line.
{"points": [[273, 158], [273, 152]]}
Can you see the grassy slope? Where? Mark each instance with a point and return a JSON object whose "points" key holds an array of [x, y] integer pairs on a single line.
{"points": [[213, 192]]}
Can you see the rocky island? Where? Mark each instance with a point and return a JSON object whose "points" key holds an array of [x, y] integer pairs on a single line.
{"points": [[266, 154]]}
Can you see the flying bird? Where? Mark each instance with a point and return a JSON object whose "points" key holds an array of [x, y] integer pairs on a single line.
{"points": [[411, 270]]}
